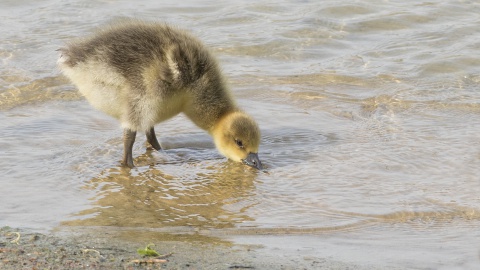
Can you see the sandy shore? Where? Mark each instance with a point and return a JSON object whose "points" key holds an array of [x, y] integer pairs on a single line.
{"points": [[22, 249]]}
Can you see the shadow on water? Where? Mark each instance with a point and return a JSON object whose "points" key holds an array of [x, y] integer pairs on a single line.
{"points": [[175, 197], [186, 196], [187, 187]]}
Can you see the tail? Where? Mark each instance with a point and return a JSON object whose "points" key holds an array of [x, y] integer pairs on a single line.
{"points": [[64, 59]]}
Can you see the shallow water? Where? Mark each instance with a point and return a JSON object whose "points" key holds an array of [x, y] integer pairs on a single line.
{"points": [[369, 112]]}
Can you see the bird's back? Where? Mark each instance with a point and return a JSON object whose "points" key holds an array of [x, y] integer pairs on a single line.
{"points": [[153, 62], [129, 46]]}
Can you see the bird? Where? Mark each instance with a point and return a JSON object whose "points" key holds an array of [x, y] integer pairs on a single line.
{"points": [[143, 73]]}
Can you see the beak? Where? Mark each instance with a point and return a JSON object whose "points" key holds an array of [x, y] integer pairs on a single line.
{"points": [[253, 161]]}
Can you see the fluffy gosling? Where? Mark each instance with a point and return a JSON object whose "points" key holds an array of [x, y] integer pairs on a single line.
{"points": [[143, 73]]}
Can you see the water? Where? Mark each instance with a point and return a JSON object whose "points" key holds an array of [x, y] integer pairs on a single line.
{"points": [[369, 112]]}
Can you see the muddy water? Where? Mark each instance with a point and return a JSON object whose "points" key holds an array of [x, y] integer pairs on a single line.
{"points": [[370, 114]]}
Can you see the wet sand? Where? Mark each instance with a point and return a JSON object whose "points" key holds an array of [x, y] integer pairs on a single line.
{"points": [[22, 249]]}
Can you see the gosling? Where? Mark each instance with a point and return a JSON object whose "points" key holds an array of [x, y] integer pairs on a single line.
{"points": [[143, 73]]}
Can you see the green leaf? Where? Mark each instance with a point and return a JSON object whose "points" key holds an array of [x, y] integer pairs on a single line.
{"points": [[148, 251]]}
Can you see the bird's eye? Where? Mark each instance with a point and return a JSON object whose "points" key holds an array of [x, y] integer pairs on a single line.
{"points": [[239, 143]]}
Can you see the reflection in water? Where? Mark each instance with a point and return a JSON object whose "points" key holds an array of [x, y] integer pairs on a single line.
{"points": [[150, 197]]}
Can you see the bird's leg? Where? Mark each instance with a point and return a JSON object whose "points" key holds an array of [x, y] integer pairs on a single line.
{"points": [[128, 140], [152, 139]]}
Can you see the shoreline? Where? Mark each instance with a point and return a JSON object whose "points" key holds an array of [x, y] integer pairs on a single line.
{"points": [[25, 249]]}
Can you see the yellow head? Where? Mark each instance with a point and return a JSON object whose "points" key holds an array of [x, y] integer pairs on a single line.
{"points": [[237, 137]]}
